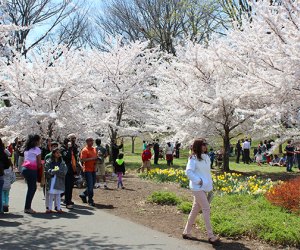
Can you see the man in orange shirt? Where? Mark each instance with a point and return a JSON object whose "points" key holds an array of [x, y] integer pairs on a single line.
{"points": [[89, 157]]}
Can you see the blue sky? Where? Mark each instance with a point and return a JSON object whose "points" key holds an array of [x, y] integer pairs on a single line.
{"points": [[37, 31]]}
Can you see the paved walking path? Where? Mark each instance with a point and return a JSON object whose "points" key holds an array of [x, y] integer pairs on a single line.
{"points": [[81, 228]]}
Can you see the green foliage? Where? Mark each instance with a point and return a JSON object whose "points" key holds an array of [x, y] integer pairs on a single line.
{"points": [[164, 198], [185, 207], [254, 216]]}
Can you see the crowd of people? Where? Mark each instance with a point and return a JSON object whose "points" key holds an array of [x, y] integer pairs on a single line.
{"points": [[263, 154], [56, 166], [168, 153]]}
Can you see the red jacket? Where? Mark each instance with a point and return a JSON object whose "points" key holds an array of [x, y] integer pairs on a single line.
{"points": [[146, 155]]}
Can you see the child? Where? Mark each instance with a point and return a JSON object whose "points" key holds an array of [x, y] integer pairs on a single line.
{"points": [[146, 159], [55, 172], [9, 178], [259, 157], [119, 165]]}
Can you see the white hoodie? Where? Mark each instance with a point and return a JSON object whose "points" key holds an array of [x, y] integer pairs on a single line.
{"points": [[197, 170]]}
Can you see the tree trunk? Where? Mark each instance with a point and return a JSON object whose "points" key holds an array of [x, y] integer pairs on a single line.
{"points": [[50, 129], [132, 144], [113, 137], [280, 148], [226, 152]]}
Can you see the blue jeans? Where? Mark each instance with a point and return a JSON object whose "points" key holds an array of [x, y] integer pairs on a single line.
{"points": [[5, 197], [289, 163], [31, 179], [90, 178], [1, 187]]}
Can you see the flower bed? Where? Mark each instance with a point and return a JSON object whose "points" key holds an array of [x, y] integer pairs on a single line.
{"points": [[226, 183]]}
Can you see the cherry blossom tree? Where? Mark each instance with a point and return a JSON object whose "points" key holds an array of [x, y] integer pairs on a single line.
{"points": [[45, 92], [122, 100], [203, 96], [249, 79], [268, 50]]}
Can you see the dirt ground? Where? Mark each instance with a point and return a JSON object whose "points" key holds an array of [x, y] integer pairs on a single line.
{"points": [[131, 203]]}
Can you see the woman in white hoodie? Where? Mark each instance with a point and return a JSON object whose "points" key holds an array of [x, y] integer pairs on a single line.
{"points": [[198, 172]]}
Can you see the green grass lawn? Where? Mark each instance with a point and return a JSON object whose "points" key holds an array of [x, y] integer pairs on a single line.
{"points": [[243, 215], [133, 161]]}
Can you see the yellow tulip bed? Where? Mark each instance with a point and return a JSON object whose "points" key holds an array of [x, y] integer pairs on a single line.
{"points": [[226, 183]]}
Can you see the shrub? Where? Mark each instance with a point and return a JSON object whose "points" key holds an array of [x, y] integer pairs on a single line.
{"points": [[185, 207], [164, 198], [286, 195]]}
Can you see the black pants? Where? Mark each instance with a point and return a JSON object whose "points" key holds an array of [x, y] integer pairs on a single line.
{"points": [[156, 154], [238, 157], [69, 184], [31, 179], [247, 156], [177, 153]]}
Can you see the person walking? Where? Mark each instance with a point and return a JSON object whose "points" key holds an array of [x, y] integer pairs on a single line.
{"points": [[177, 149], [169, 154], [89, 157], [15, 152], [258, 157], [297, 152], [21, 154], [55, 172], [246, 149], [100, 164], [69, 152], [146, 159], [212, 157], [115, 150], [198, 172], [5, 163], [120, 170], [32, 162], [9, 178], [238, 149], [289, 149], [156, 152], [45, 157]]}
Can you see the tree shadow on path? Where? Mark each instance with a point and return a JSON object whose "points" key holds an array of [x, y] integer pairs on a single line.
{"points": [[230, 245], [4, 223], [57, 238]]}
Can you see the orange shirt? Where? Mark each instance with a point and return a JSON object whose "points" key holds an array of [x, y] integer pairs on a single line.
{"points": [[89, 166]]}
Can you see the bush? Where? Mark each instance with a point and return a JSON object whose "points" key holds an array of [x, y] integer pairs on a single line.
{"points": [[256, 217], [286, 195], [185, 207], [164, 198]]}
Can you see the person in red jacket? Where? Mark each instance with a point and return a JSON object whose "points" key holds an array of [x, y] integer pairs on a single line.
{"points": [[146, 158]]}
